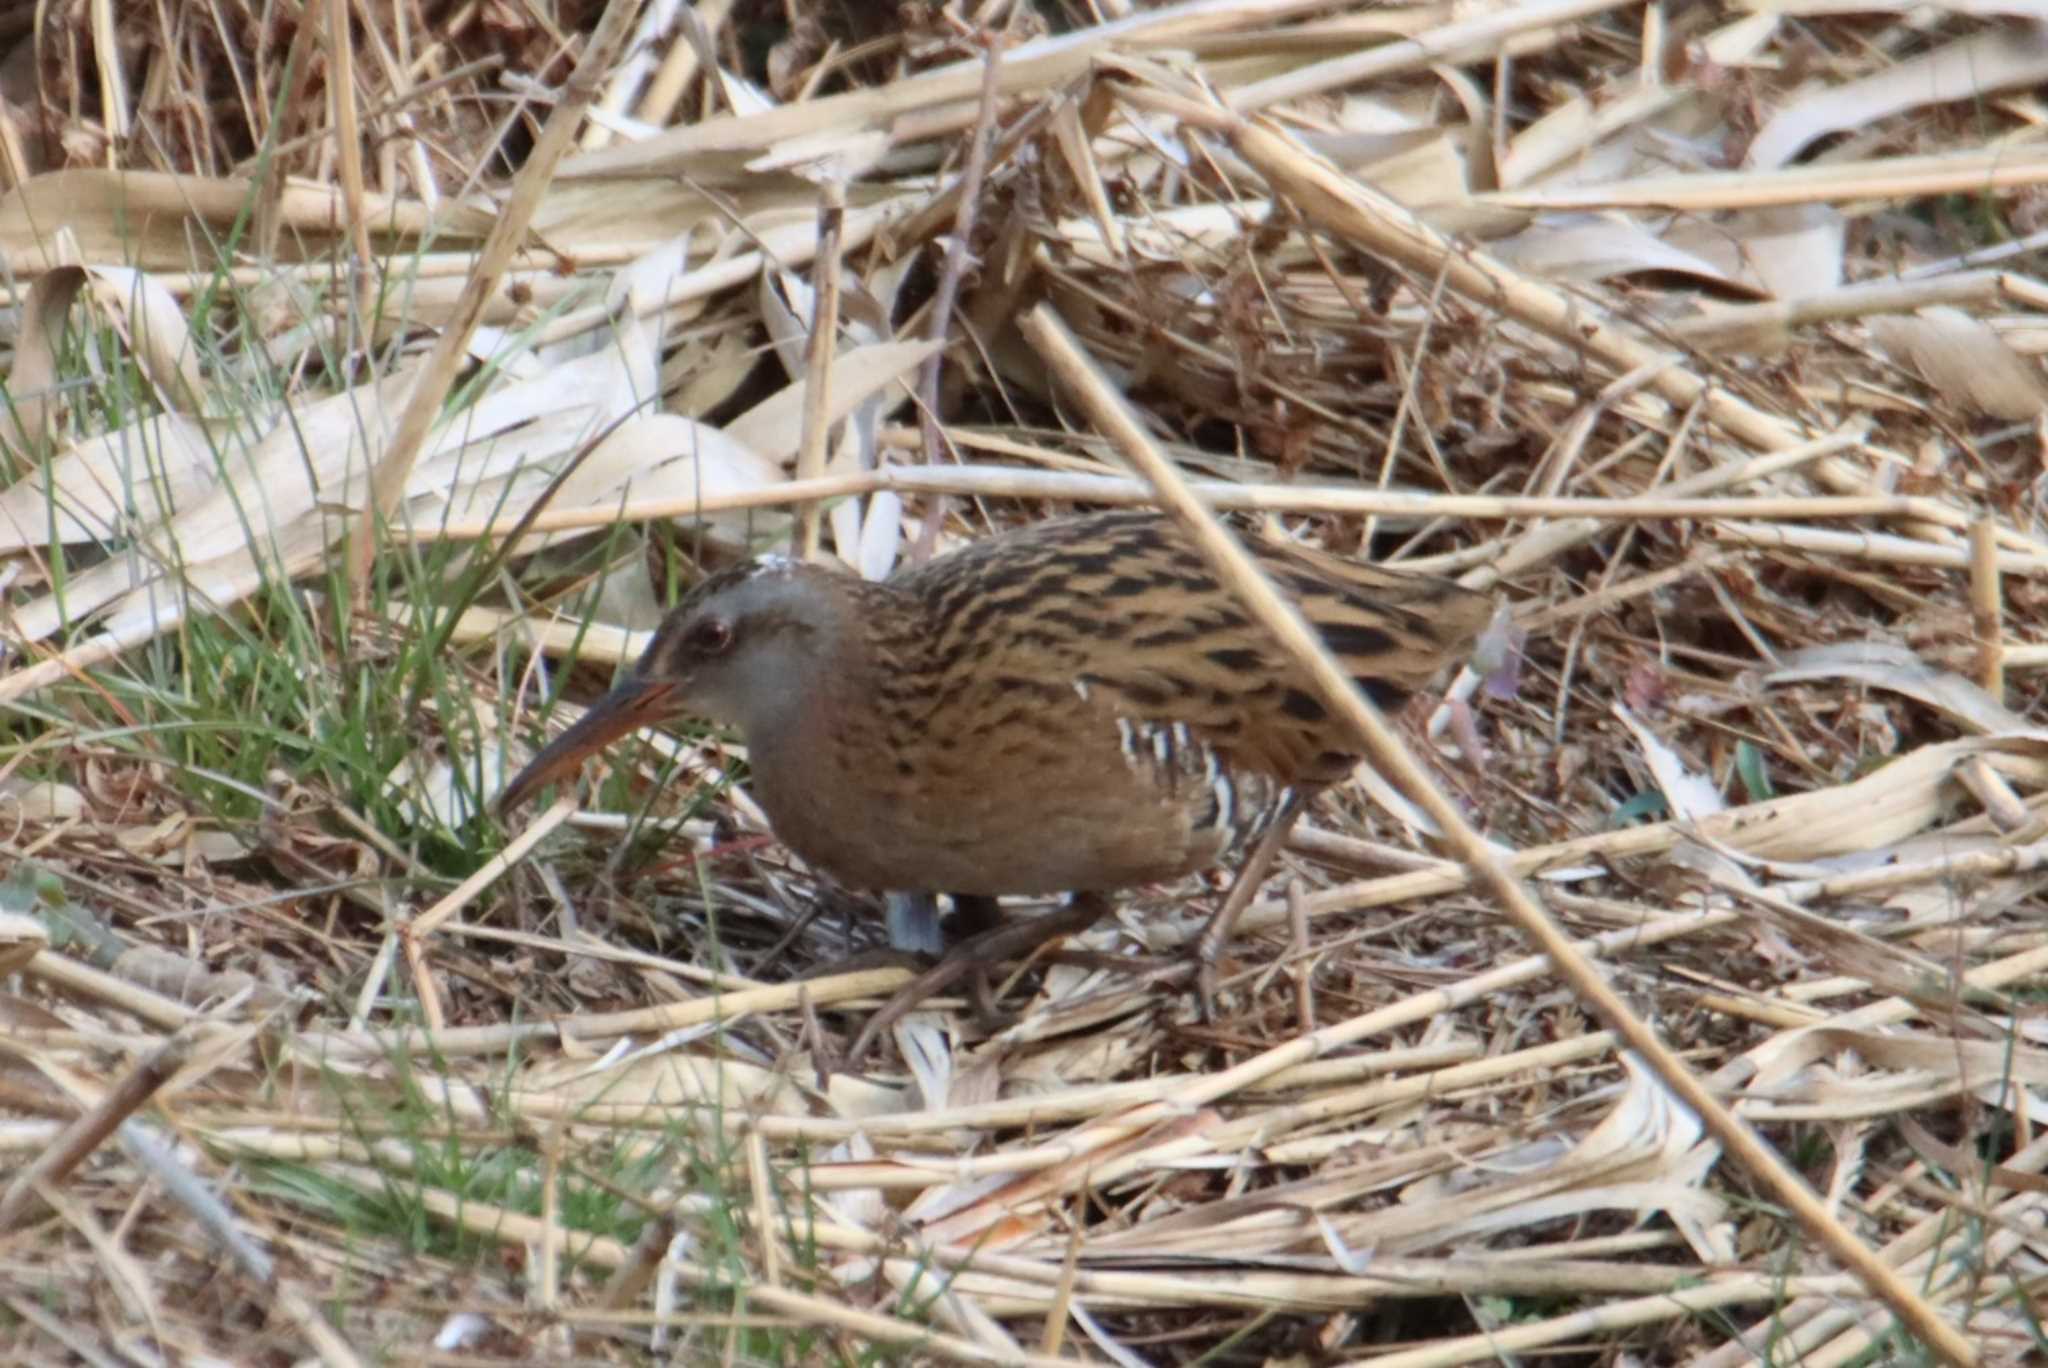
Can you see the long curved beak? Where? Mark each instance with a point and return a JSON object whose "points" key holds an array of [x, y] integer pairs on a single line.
{"points": [[633, 704]]}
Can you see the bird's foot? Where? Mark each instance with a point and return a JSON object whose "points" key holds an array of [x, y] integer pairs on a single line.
{"points": [[1007, 940], [1209, 947]]}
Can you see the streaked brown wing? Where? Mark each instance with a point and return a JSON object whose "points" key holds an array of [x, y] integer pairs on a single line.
{"points": [[1117, 613]]}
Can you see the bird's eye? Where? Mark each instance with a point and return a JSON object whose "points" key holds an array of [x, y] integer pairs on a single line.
{"points": [[711, 636]]}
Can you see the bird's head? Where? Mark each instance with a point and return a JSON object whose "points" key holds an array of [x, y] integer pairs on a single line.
{"points": [[747, 647]]}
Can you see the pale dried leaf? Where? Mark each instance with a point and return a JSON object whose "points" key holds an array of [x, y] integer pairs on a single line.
{"points": [[1782, 251], [431, 794], [1997, 57], [655, 1082], [826, 156], [774, 427], [863, 1208], [1964, 361], [1690, 794], [1955, 1065], [272, 510], [111, 487], [665, 456], [1431, 172], [928, 1051], [881, 536], [1901, 799], [44, 800], [153, 324], [1887, 665], [1600, 247], [640, 285], [706, 372], [854, 1097], [787, 303], [21, 940], [745, 98]]}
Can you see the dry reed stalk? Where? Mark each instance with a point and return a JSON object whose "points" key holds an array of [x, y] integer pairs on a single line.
{"points": [[1969, 171], [1001, 482]]}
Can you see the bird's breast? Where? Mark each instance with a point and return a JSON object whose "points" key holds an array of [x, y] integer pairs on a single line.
{"points": [[1034, 794]]}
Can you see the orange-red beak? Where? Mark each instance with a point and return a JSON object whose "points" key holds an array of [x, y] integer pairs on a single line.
{"points": [[634, 704]]}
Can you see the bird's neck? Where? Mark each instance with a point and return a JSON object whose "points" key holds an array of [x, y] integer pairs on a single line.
{"points": [[816, 713]]}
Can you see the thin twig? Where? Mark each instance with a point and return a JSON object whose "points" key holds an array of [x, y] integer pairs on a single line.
{"points": [[958, 253], [822, 346], [1987, 606], [96, 1123]]}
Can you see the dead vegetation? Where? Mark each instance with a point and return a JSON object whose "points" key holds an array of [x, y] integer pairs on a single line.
{"points": [[1705, 334]]}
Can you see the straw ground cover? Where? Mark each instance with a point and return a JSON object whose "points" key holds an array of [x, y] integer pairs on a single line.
{"points": [[365, 375]]}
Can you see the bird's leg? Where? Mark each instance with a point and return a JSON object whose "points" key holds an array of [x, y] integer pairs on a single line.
{"points": [[973, 913], [1006, 941], [1209, 946], [916, 927], [918, 936], [913, 923]]}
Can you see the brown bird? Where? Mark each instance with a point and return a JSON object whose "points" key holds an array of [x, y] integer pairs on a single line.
{"points": [[1078, 706]]}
